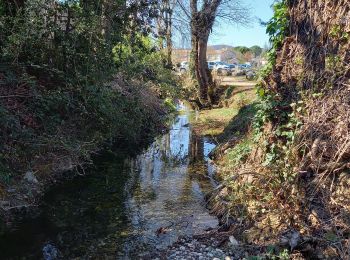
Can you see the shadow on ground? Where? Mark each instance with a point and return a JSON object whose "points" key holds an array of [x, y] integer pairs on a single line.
{"points": [[239, 124]]}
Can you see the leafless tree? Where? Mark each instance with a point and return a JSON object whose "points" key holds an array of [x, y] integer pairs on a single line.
{"points": [[203, 14], [165, 26]]}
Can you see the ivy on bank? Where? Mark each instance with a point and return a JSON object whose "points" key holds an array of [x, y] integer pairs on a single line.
{"points": [[270, 103]]}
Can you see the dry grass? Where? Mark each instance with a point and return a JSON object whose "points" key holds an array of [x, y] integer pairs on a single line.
{"points": [[325, 135], [304, 189]]}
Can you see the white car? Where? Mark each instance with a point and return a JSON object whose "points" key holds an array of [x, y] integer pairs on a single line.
{"points": [[221, 65], [232, 66], [222, 68], [244, 66], [211, 65], [184, 66]]}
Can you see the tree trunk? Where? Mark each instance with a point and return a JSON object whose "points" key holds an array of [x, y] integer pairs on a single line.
{"points": [[194, 40], [169, 42], [202, 68], [201, 26]]}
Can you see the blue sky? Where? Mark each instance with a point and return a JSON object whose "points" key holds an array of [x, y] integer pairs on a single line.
{"points": [[255, 34]]}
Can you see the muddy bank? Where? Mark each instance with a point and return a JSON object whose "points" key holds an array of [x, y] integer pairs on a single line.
{"points": [[49, 136], [22, 198], [286, 178]]}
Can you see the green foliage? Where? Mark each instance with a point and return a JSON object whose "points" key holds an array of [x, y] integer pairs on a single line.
{"points": [[287, 121], [269, 102], [55, 61], [280, 121], [127, 54], [78, 51], [272, 107], [278, 24], [257, 50], [242, 100], [229, 92], [277, 29], [333, 63], [266, 110], [169, 103], [2, 8], [141, 60], [240, 152], [242, 49], [339, 33]]}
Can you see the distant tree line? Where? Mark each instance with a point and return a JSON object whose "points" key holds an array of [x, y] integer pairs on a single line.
{"points": [[255, 50]]}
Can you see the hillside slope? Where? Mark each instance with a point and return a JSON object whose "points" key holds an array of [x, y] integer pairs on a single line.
{"points": [[286, 182]]}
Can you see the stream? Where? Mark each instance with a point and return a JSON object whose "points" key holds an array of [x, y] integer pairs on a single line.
{"points": [[125, 207]]}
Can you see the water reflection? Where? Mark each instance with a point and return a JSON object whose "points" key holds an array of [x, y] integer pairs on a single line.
{"points": [[125, 208], [168, 197]]}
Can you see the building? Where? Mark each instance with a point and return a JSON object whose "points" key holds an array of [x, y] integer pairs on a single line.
{"points": [[214, 53]]}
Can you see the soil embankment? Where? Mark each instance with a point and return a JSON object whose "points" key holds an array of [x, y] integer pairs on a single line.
{"points": [[285, 179], [132, 115]]}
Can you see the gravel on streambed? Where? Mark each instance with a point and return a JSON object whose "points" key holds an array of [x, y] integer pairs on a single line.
{"points": [[202, 249]]}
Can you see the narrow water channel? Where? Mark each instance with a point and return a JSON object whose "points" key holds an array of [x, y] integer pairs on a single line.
{"points": [[126, 207]]}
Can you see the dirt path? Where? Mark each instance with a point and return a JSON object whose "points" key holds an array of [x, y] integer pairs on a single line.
{"points": [[237, 81]]}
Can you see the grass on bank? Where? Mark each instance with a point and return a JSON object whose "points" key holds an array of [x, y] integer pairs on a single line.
{"points": [[234, 115]]}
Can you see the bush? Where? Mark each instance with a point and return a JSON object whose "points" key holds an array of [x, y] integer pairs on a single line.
{"points": [[141, 60], [53, 75]]}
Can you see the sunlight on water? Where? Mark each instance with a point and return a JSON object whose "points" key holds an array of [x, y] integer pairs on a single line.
{"points": [[176, 203], [126, 207]]}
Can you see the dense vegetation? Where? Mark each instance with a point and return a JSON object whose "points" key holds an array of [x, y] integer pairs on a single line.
{"points": [[79, 76], [286, 177], [74, 76]]}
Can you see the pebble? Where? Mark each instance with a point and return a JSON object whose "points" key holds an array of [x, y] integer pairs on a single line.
{"points": [[233, 241], [30, 177], [197, 250]]}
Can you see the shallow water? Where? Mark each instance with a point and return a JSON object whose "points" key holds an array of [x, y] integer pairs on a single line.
{"points": [[126, 207]]}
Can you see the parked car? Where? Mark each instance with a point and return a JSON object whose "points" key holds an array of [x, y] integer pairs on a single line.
{"points": [[244, 66], [211, 65], [232, 66], [222, 68], [184, 66], [221, 65]]}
